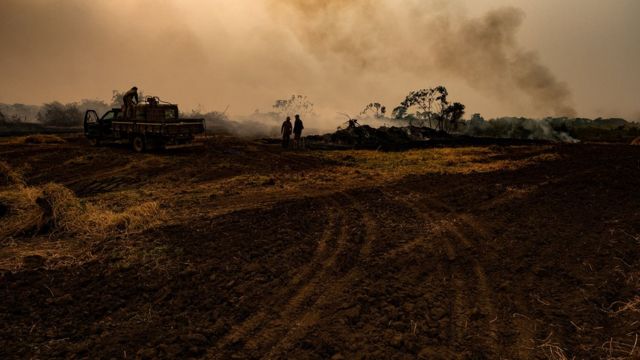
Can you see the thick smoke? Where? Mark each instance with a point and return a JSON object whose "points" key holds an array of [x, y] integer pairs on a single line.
{"points": [[65, 50], [342, 54], [373, 35], [516, 128], [485, 52]]}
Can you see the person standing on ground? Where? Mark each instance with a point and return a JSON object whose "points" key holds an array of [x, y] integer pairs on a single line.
{"points": [[130, 99], [298, 126], [286, 132]]}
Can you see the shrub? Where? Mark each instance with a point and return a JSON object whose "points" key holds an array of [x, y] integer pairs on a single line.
{"points": [[57, 114]]}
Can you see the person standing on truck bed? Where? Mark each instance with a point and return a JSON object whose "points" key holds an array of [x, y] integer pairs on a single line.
{"points": [[298, 126], [130, 99], [286, 132]]}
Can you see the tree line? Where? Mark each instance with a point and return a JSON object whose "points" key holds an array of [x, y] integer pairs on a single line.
{"points": [[429, 107], [56, 113]]}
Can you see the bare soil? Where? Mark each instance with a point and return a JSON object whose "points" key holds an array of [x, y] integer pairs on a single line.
{"points": [[513, 252]]}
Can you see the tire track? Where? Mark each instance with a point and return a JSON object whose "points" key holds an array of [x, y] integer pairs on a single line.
{"points": [[274, 335], [262, 317], [461, 309], [487, 307], [469, 250], [525, 335], [293, 311], [486, 293], [304, 320]]}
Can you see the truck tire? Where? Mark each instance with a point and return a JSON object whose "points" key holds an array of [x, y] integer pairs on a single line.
{"points": [[138, 144]]}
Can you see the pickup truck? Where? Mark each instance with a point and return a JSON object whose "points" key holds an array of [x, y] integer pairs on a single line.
{"points": [[150, 125]]}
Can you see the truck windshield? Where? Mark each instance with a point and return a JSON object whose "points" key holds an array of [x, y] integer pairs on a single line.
{"points": [[109, 115]]}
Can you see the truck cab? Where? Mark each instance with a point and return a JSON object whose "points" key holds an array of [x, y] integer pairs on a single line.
{"points": [[98, 128], [150, 124]]}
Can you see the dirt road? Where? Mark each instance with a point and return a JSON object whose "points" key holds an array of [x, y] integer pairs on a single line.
{"points": [[472, 253]]}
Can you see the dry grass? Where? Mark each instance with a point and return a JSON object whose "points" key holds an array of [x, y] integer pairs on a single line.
{"points": [[55, 210], [632, 305], [618, 350], [361, 168], [103, 223], [9, 176], [65, 252], [20, 212], [40, 139], [366, 166], [439, 161], [553, 352], [35, 139]]}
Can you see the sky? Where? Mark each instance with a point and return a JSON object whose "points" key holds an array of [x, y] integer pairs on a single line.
{"points": [[498, 57]]}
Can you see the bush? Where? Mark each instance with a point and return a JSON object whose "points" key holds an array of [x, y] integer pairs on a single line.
{"points": [[57, 114]]}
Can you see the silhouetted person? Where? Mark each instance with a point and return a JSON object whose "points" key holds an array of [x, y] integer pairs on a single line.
{"points": [[298, 126], [286, 132], [130, 99]]}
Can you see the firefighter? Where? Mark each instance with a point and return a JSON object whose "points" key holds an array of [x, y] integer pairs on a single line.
{"points": [[130, 99], [286, 132], [298, 126]]}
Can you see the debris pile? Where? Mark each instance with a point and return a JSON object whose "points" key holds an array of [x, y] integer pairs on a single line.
{"points": [[365, 136], [636, 141]]}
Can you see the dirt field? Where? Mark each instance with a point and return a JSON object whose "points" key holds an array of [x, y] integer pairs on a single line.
{"points": [[240, 250]]}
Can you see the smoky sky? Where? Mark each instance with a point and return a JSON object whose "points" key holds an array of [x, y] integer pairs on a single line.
{"points": [[483, 52], [247, 53]]}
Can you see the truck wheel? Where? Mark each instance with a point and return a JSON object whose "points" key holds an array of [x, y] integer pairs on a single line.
{"points": [[138, 143]]}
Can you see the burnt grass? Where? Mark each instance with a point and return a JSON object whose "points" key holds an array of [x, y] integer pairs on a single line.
{"points": [[405, 138], [501, 264]]}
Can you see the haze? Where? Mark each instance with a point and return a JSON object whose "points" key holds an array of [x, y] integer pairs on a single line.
{"points": [[526, 58]]}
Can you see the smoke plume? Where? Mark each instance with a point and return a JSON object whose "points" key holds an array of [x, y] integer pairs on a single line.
{"points": [[342, 54], [516, 128], [425, 38]]}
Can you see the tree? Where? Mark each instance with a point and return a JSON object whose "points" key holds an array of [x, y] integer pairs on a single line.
{"points": [[116, 98], [98, 105], [429, 107], [378, 109], [477, 118], [451, 116], [19, 112], [426, 103], [57, 114], [297, 104]]}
